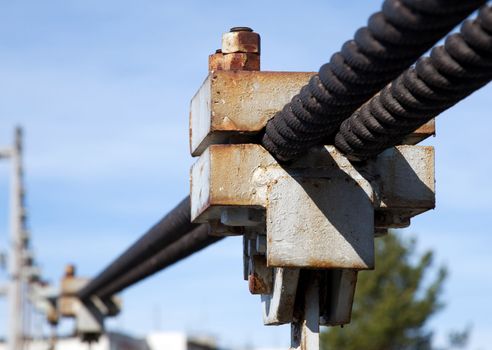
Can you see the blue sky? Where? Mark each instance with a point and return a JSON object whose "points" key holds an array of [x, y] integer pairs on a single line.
{"points": [[103, 91]]}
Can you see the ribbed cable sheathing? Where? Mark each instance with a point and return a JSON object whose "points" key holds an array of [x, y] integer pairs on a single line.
{"points": [[451, 73], [173, 226], [192, 242], [393, 40]]}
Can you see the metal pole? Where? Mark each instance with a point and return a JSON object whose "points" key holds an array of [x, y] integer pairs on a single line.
{"points": [[16, 312]]}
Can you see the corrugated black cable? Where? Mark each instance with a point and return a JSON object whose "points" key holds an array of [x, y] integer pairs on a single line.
{"points": [[193, 242], [176, 224], [451, 73], [393, 39]]}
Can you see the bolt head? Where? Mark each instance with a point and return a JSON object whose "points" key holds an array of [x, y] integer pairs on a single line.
{"points": [[241, 42], [241, 61]]}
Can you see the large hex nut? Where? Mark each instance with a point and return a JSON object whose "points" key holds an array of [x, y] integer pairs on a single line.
{"points": [[234, 61], [241, 61], [241, 41], [215, 62]]}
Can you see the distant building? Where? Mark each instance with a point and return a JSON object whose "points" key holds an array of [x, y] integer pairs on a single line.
{"points": [[119, 341]]}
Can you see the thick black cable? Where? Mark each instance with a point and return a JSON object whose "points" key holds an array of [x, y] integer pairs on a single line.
{"points": [[192, 242], [172, 227], [393, 40], [451, 73]]}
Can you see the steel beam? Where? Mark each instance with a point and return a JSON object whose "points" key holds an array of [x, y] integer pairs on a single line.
{"points": [[234, 106]]}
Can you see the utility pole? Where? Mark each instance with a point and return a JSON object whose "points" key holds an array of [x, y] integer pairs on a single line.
{"points": [[18, 242]]}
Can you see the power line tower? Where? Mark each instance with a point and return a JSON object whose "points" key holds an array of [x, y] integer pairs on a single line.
{"points": [[18, 247]]}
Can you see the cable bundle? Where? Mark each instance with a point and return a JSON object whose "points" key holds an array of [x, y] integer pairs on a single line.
{"points": [[394, 38], [452, 72]]}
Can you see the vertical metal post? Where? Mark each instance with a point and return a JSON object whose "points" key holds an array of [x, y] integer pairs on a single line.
{"points": [[15, 321], [305, 328]]}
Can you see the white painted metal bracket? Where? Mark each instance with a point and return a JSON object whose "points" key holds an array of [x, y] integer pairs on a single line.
{"points": [[308, 227], [234, 105], [323, 206]]}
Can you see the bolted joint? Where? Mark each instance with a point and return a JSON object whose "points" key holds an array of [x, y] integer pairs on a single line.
{"points": [[240, 51], [241, 40], [241, 61], [234, 61], [215, 61]]}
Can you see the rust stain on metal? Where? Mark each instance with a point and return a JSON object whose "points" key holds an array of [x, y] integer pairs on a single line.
{"points": [[250, 98], [234, 103], [234, 61], [215, 61], [422, 133], [240, 51], [241, 41], [427, 128], [257, 285], [241, 61]]}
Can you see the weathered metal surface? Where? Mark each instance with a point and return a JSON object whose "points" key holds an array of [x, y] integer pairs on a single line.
{"points": [[261, 244], [237, 216], [220, 230], [305, 326], [260, 279], [233, 103], [215, 61], [241, 61], [241, 41], [320, 213], [278, 306], [259, 275], [239, 175], [422, 133], [329, 226], [224, 176], [240, 51], [320, 209], [337, 296], [406, 178]]}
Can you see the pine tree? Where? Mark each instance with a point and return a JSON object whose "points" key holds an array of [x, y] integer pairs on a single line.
{"points": [[392, 303]]}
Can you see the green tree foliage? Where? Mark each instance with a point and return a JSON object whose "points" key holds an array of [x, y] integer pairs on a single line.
{"points": [[392, 303]]}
